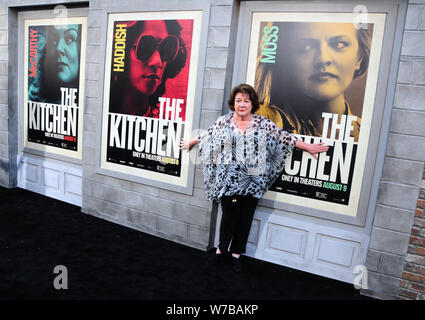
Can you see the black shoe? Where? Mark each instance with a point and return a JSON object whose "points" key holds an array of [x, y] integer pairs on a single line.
{"points": [[215, 259], [237, 264]]}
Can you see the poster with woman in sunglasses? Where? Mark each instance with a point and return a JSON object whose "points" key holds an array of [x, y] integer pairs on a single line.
{"points": [[147, 98]]}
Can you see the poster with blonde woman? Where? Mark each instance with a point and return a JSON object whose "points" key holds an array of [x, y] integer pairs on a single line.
{"points": [[311, 75]]}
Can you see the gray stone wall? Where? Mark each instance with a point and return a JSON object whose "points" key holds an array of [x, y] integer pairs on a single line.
{"points": [[178, 217], [404, 163], [4, 112]]}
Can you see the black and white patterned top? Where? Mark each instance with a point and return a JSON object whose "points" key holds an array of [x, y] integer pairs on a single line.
{"points": [[243, 164]]}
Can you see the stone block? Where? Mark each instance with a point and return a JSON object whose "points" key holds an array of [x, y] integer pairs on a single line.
{"points": [[93, 105], [422, 20], [4, 111], [208, 118], [90, 140], [372, 260], [144, 189], [418, 72], [213, 99], [199, 179], [412, 17], [398, 195], [172, 228], [120, 196], [176, 211], [90, 123], [221, 16], [3, 68], [4, 178], [86, 158], [409, 97], [92, 71], [4, 123], [93, 88], [4, 151], [405, 147], [216, 58], [214, 78], [405, 72], [142, 219], [95, 36], [391, 265], [4, 96], [394, 218], [389, 241], [174, 196], [97, 19], [4, 22], [199, 199], [199, 235], [116, 211], [4, 82], [92, 204], [402, 171], [408, 122], [218, 37], [383, 284], [4, 53], [93, 54], [413, 43], [4, 136], [3, 38]]}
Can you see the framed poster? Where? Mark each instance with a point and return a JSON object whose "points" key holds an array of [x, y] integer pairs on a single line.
{"points": [[149, 93], [54, 71], [316, 75]]}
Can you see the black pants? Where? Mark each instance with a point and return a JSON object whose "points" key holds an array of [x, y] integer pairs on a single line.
{"points": [[238, 212]]}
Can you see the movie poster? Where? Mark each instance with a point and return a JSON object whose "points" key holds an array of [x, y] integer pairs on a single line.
{"points": [[54, 61], [316, 76], [150, 78]]}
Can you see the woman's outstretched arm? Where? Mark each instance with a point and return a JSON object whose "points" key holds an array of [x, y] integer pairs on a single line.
{"points": [[312, 148]]}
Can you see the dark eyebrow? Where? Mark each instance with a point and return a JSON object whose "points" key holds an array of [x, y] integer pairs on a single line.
{"points": [[343, 36]]}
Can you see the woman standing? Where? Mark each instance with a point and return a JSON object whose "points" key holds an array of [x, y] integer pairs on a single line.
{"points": [[242, 155]]}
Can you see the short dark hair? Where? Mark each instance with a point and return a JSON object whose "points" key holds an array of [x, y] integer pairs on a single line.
{"points": [[247, 89]]}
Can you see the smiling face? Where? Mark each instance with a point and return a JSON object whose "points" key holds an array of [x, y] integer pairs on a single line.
{"points": [[321, 58], [146, 76], [63, 57], [243, 105]]}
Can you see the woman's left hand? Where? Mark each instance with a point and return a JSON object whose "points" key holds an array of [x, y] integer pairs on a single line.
{"points": [[316, 148]]}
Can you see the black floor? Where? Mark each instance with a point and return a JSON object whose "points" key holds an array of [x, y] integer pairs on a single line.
{"points": [[108, 261]]}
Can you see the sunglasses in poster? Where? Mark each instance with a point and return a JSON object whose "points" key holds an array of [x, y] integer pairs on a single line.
{"points": [[167, 47]]}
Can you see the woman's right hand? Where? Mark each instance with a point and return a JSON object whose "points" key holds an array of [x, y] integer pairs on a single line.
{"points": [[188, 144], [184, 144]]}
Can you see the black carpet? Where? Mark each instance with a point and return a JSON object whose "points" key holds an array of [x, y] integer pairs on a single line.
{"points": [[108, 261]]}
